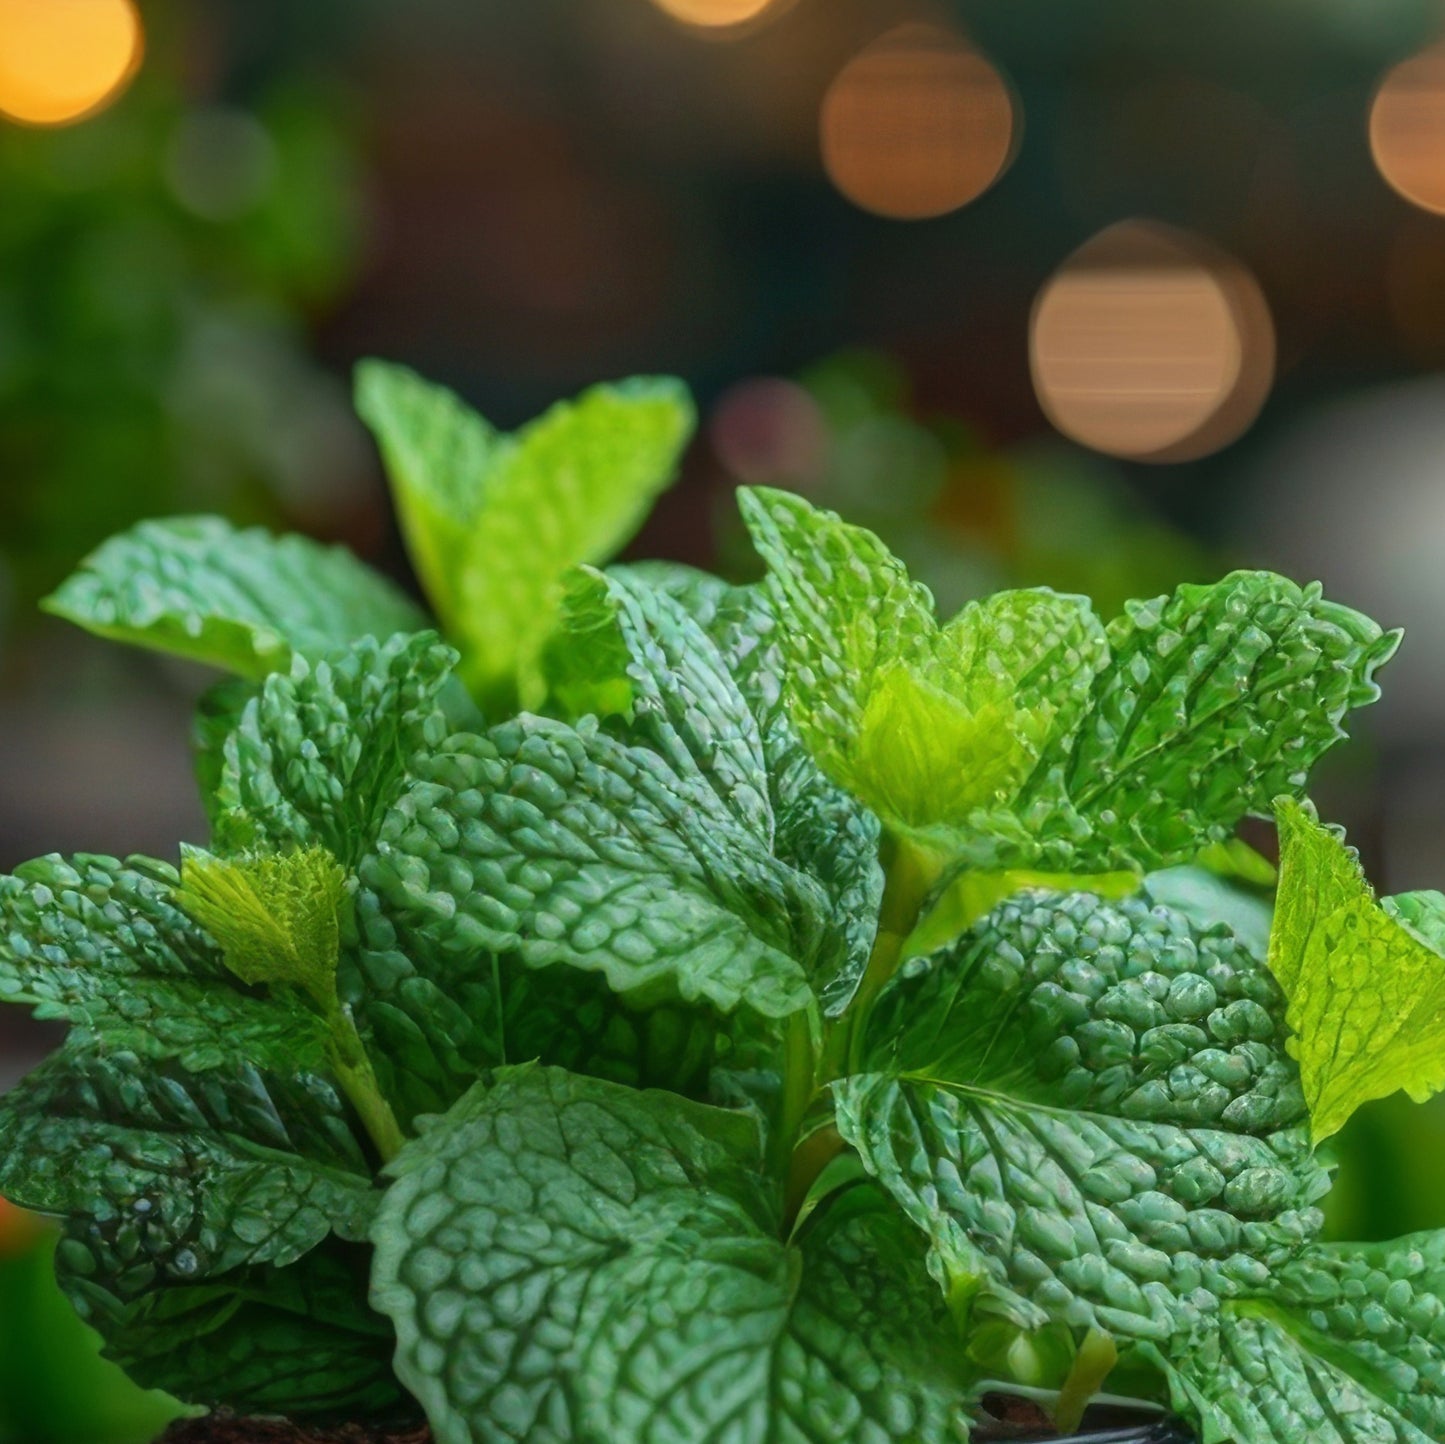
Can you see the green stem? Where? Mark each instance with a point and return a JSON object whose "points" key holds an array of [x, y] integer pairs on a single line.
{"points": [[799, 1085], [358, 1080], [910, 872]]}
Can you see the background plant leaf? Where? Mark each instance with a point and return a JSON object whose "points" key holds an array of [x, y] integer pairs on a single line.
{"points": [[244, 601]]}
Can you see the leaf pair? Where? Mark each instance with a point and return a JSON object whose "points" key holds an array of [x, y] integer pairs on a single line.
{"points": [[493, 522], [1024, 733]]}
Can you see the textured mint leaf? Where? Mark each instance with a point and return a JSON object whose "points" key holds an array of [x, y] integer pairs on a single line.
{"points": [[317, 754], [1088, 1109], [244, 601], [102, 945], [1217, 699], [563, 845], [568, 1261], [1366, 984], [1024, 735], [177, 1176], [631, 649], [1348, 1347], [439, 454], [275, 917], [1260, 1379], [300, 1341], [818, 827], [496, 521]]}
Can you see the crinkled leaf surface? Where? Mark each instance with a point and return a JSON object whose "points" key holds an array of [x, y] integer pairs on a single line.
{"points": [[300, 1341], [245, 601], [1023, 734], [1350, 1347], [497, 520], [563, 845], [1365, 983], [818, 827], [569, 1261], [102, 945], [172, 1182], [1089, 1110], [318, 754]]}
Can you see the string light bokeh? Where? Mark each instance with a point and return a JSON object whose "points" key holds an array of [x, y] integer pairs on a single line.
{"points": [[1150, 344], [1407, 129], [718, 14], [64, 60], [917, 124]]}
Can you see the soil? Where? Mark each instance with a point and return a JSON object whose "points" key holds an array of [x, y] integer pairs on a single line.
{"points": [[1014, 1420], [227, 1429]]}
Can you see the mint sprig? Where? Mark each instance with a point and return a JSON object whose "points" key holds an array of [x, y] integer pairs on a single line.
{"points": [[810, 1015]]}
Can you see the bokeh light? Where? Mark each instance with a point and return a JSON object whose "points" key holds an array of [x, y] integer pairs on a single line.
{"points": [[62, 60], [1150, 344], [715, 14], [1407, 129], [770, 429], [917, 124]]}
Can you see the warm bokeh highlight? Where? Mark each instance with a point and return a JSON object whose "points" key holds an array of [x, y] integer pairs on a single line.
{"points": [[1150, 344], [917, 124], [1407, 129], [62, 60]]}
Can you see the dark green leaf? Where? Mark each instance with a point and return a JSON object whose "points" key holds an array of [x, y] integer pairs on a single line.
{"points": [[568, 1261]]}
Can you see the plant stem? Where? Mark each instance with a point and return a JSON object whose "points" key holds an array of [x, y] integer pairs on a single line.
{"points": [[910, 872], [358, 1080]]}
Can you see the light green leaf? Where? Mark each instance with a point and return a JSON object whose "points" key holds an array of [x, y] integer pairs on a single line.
{"points": [[569, 1261], [496, 521], [275, 917], [1022, 735], [1217, 699], [318, 754], [1366, 989], [245, 601], [1088, 1109], [101, 944], [439, 454]]}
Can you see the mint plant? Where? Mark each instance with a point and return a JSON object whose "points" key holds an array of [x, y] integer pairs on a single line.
{"points": [[653, 1009]]}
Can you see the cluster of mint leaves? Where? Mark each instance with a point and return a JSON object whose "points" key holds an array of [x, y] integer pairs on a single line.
{"points": [[635, 1007]]}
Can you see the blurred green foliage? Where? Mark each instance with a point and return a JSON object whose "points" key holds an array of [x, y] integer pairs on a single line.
{"points": [[969, 518], [158, 265], [54, 1386]]}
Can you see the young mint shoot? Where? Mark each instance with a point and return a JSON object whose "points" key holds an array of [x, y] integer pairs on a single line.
{"points": [[622, 1007]]}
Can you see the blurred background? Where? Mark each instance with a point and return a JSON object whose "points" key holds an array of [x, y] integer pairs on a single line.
{"points": [[1101, 296]]}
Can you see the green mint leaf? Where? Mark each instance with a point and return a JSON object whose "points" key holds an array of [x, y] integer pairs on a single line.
{"points": [[440, 456], [496, 521], [1025, 735], [300, 1341], [1354, 1344], [563, 845], [205, 1187], [1217, 699], [818, 827], [1366, 984], [680, 700], [275, 917], [102, 945], [1088, 1108], [318, 754], [244, 601], [569, 1261]]}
